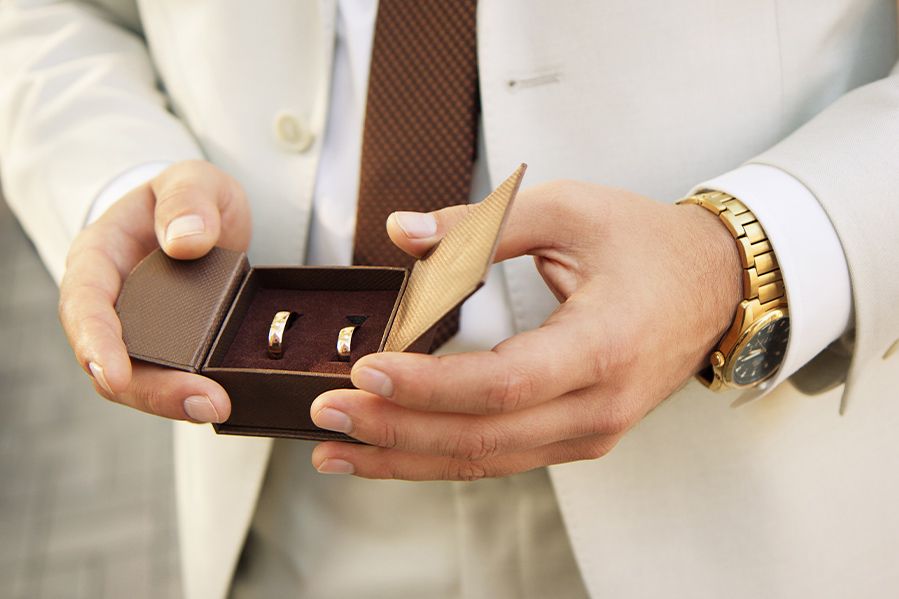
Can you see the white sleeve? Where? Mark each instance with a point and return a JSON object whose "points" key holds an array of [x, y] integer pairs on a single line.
{"points": [[79, 106], [810, 255], [121, 185]]}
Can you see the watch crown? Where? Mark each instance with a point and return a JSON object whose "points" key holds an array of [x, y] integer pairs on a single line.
{"points": [[717, 359]]}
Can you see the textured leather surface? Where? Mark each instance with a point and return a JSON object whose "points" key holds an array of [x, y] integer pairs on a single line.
{"points": [[420, 133], [275, 403], [171, 310], [455, 268]]}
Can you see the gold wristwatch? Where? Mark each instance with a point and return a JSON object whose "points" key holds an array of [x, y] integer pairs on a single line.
{"points": [[753, 348]]}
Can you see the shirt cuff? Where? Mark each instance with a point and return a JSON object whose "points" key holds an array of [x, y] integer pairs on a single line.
{"points": [[811, 258], [121, 185]]}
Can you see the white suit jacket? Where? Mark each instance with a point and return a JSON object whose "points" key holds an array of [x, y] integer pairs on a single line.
{"points": [[781, 497]]}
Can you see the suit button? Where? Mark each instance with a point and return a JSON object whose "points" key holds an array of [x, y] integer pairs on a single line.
{"points": [[292, 134]]}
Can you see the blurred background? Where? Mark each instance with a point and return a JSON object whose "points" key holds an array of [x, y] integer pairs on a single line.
{"points": [[86, 486]]}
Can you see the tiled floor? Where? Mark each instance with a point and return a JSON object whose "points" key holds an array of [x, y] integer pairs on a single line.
{"points": [[86, 495]]}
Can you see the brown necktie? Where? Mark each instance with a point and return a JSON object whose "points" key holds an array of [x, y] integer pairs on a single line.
{"points": [[419, 139]]}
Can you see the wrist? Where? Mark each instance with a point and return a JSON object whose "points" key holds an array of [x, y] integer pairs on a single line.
{"points": [[716, 269], [752, 349]]}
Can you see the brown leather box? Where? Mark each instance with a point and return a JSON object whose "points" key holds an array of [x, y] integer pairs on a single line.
{"points": [[212, 316]]}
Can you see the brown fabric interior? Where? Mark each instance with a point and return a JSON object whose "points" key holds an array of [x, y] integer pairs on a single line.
{"points": [[310, 344]]}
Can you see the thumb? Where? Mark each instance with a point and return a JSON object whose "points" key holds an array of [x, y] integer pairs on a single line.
{"points": [[417, 232], [198, 207], [533, 225]]}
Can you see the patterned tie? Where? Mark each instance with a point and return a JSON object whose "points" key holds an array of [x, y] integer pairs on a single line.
{"points": [[419, 140]]}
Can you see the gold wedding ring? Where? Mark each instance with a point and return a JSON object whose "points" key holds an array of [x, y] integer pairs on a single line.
{"points": [[280, 323], [344, 341]]}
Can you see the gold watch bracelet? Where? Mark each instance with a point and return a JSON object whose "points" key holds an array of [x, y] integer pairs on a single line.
{"points": [[763, 288]]}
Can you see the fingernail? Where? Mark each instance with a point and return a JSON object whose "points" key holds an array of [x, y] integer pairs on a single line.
{"points": [[333, 420], [184, 226], [200, 408], [99, 376], [335, 466], [373, 381], [416, 224]]}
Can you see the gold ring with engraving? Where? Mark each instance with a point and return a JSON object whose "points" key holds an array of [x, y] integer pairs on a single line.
{"points": [[280, 323], [344, 343]]}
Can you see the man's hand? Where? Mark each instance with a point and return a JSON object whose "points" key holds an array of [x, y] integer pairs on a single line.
{"points": [[187, 209], [646, 289]]}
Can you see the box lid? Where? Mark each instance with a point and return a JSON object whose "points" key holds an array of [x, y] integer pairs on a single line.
{"points": [[171, 310], [455, 268]]}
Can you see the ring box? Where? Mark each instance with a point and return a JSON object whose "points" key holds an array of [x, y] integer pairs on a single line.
{"points": [[211, 316]]}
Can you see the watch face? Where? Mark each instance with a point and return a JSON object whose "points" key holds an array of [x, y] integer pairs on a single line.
{"points": [[764, 352]]}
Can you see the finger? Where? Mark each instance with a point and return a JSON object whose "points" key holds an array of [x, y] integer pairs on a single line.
{"points": [[376, 421], [561, 356], [376, 462], [173, 394], [540, 223], [87, 297], [198, 207]]}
